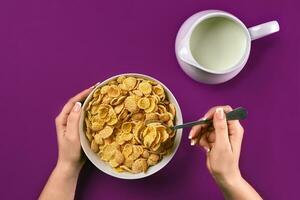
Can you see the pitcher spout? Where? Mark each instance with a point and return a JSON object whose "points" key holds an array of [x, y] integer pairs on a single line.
{"points": [[185, 55]]}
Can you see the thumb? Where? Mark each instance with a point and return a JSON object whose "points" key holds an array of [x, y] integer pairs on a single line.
{"points": [[221, 129], [73, 120]]}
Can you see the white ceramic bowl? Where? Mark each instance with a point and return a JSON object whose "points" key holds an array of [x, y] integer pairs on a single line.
{"points": [[103, 166]]}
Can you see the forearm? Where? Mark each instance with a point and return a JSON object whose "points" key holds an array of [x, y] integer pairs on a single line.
{"points": [[61, 183], [238, 189]]}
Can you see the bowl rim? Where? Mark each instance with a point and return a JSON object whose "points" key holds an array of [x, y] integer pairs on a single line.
{"points": [[126, 175]]}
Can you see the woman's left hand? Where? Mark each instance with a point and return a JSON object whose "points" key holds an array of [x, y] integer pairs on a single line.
{"points": [[67, 127]]}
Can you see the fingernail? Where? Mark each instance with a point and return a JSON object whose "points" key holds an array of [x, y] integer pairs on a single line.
{"points": [[95, 85], [220, 113], [193, 142], [77, 107], [190, 135], [207, 149]]}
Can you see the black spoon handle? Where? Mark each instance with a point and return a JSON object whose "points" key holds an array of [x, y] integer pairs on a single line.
{"points": [[236, 114]]}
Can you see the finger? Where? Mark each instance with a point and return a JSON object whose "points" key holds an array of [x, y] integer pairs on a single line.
{"points": [[95, 85], [73, 121], [77, 98], [236, 132], [210, 112], [221, 129], [61, 119], [196, 130], [204, 144], [211, 137], [195, 140], [208, 161], [234, 127]]}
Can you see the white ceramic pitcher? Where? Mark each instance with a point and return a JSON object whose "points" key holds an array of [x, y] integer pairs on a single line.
{"points": [[199, 72]]}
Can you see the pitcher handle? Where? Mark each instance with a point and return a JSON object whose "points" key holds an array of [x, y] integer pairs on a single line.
{"points": [[263, 30]]}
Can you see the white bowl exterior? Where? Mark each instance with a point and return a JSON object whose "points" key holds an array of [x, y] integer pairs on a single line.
{"points": [[196, 73], [103, 166]]}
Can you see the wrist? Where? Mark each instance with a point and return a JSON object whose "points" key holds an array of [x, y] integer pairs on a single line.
{"points": [[229, 179], [68, 169]]}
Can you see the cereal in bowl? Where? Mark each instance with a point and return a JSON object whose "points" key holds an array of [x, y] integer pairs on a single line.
{"points": [[127, 123]]}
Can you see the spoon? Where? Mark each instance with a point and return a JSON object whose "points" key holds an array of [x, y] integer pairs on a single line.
{"points": [[236, 114]]}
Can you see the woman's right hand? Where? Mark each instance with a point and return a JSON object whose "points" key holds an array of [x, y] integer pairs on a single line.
{"points": [[222, 143]]}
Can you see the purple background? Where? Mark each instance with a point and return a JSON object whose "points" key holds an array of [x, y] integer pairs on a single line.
{"points": [[50, 50]]}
